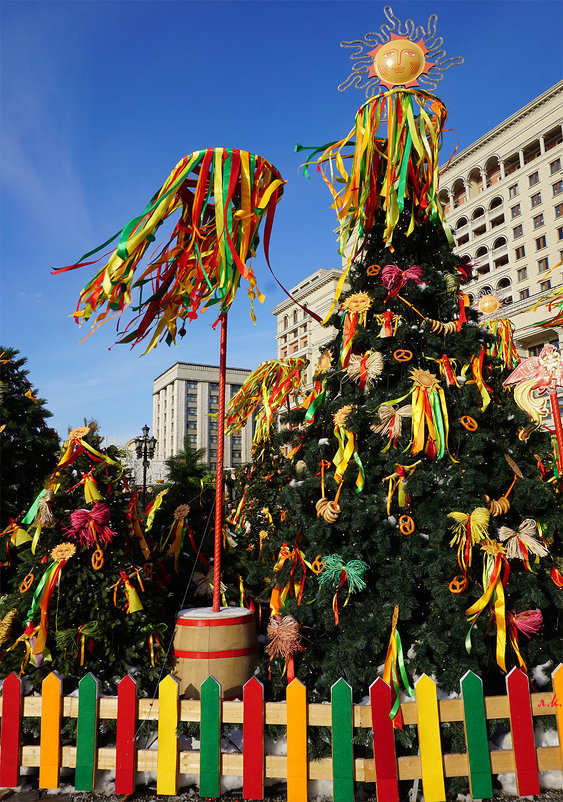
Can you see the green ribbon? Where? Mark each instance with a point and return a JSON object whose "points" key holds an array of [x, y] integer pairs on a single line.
{"points": [[32, 512], [403, 671]]}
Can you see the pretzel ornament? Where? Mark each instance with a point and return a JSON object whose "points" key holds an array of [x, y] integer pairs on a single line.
{"points": [[402, 355], [373, 270], [27, 582], [469, 423], [406, 525], [458, 584], [98, 559]]}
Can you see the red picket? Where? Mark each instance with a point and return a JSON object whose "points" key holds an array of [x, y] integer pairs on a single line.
{"points": [[383, 742], [125, 752], [253, 740], [522, 728], [10, 736]]}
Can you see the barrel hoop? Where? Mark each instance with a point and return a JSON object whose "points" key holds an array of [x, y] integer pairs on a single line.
{"points": [[215, 655], [213, 622]]}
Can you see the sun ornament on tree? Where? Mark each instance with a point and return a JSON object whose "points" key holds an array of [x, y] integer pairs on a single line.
{"points": [[400, 57]]}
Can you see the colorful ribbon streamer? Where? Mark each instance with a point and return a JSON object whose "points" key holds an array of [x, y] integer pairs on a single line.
{"points": [[395, 664], [223, 195], [393, 174]]}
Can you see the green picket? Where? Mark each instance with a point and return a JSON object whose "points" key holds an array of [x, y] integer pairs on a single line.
{"points": [[480, 780], [86, 734], [342, 747], [210, 734]]}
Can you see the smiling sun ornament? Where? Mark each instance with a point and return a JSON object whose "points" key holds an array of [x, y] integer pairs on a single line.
{"points": [[399, 62]]}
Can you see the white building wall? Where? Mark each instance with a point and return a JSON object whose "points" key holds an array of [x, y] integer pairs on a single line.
{"points": [[184, 397], [503, 197]]}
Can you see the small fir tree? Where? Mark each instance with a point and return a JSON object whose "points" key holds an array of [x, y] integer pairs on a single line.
{"points": [[29, 446], [84, 596]]}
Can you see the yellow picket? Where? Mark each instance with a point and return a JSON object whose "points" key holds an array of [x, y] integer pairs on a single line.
{"points": [[429, 740], [167, 765]]}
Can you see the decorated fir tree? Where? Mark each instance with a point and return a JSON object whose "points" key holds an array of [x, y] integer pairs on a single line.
{"points": [[29, 446], [84, 596], [417, 496]]}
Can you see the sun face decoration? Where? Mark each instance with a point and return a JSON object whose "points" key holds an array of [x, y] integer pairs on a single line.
{"points": [[399, 59], [424, 378], [341, 415], [399, 62], [357, 302]]}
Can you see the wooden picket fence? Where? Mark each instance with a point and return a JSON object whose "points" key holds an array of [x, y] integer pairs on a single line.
{"points": [[431, 765]]}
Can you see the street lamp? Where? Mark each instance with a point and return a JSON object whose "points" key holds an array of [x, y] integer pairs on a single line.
{"points": [[145, 446]]}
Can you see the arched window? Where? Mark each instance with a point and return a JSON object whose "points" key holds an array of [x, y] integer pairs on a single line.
{"points": [[461, 223]]}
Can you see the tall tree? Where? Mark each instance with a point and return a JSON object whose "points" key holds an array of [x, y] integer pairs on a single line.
{"points": [[29, 446], [84, 596]]}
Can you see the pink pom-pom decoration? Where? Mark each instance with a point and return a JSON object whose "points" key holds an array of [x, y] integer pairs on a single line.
{"points": [[393, 278], [90, 527], [528, 622]]}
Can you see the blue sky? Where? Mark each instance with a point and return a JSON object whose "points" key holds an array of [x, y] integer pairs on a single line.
{"points": [[100, 99]]}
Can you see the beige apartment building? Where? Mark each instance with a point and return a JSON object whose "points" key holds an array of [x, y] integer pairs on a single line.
{"points": [[185, 401], [297, 333], [503, 197]]}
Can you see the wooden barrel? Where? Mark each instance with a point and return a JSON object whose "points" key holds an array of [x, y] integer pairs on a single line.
{"points": [[222, 645]]}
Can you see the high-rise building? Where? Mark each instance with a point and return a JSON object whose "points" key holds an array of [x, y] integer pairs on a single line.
{"points": [[297, 333], [503, 197], [185, 402]]}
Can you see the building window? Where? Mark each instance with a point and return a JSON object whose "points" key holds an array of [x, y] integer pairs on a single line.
{"points": [[560, 232], [237, 454], [513, 191], [518, 231], [555, 166], [538, 221], [283, 353], [520, 252], [235, 388], [536, 200], [191, 385], [522, 273], [515, 211], [236, 440], [192, 439], [534, 178], [213, 399], [192, 410], [213, 387], [192, 424], [545, 285], [534, 350], [558, 187], [213, 455], [212, 425], [543, 265], [293, 348], [524, 294], [559, 210], [191, 397], [285, 322], [303, 343], [213, 439], [540, 242], [295, 316]]}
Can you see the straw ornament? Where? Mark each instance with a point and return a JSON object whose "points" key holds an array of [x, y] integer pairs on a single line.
{"points": [[365, 369], [45, 516], [8, 625], [518, 543], [391, 420], [284, 637], [204, 584]]}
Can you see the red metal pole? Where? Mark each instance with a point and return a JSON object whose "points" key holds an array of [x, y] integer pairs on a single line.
{"points": [[557, 422], [219, 477]]}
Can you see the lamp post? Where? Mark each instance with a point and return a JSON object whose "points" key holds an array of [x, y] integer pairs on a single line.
{"points": [[144, 447]]}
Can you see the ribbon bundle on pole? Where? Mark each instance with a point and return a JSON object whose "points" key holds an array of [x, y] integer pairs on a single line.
{"points": [[503, 346], [223, 194], [494, 583], [393, 174], [269, 385]]}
